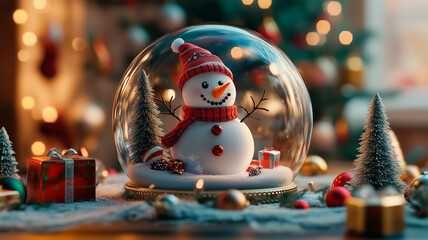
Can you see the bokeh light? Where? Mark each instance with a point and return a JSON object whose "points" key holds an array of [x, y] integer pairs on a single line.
{"points": [[23, 55], [78, 44], [29, 38], [334, 8], [49, 114], [323, 26], [264, 4], [170, 93], [354, 63], [38, 148], [28, 102], [94, 115], [345, 37], [236, 52], [40, 4], [20, 16], [312, 38], [247, 2]]}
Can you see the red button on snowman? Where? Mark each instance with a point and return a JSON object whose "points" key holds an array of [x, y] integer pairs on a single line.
{"points": [[210, 139]]}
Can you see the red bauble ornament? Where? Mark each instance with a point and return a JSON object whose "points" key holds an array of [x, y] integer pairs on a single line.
{"points": [[216, 130], [342, 179], [301, 204], [336, 197], [217, 150]]}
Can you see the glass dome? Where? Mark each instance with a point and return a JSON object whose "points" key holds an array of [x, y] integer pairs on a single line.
{"points": [[257, 66]]}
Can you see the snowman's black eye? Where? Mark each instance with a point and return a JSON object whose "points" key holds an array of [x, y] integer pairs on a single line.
{"points": [[220, 83], [205, 85]]}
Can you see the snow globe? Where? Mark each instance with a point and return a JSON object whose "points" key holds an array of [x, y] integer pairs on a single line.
{"points": [[215, 104]]}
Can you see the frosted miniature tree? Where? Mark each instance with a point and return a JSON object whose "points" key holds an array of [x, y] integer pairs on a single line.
{"points": [[7, 160], [144, 128], [377, 162]]}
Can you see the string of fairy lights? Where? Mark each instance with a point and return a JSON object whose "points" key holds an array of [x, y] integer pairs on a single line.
{"points": [[49, 113], [318, 37]]}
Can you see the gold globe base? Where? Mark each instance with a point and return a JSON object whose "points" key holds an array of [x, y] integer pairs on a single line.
{"points": [[255, 196]]}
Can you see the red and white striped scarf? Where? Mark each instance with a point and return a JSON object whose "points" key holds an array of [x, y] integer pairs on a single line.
{"points": [[191, 114]]}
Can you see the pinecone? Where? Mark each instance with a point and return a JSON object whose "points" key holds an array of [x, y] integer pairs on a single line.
{"points": [[254, 171], [160, 165]]}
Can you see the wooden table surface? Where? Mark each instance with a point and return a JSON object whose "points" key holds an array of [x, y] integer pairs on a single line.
{"points": [[183, 230]]}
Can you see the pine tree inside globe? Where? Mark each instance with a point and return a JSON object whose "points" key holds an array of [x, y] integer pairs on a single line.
{"points": [[211, 102]]}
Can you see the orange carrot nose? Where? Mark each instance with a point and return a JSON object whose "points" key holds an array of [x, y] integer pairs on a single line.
{"points": [[218, 91]]}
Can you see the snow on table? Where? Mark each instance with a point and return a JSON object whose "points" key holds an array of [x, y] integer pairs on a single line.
{"points": [[111, 206]]}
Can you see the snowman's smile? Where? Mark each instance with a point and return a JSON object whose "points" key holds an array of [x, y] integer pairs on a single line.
{"points": [[214, 102]]}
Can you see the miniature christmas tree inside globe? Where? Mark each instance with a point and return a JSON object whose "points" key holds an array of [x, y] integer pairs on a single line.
{"points": [[211, 102]]}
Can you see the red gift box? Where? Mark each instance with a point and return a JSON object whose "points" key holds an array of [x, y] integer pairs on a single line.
{"points": [[61, 179], [269, 158]]}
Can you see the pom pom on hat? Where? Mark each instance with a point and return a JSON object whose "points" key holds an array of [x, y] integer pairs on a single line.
{"points": [[175, 45]]}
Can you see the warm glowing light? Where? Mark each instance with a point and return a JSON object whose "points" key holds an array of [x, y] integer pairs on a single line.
{"points": [[84, 152], [49, 114], [323, 26], [28, 102], [236, 52], [78, 44], [40, 4], [94, 115], [199, 184], [170, 94], [151, 186], [334, 8], [345, 37], [38, 148], [104, 173], [29, 38], [23, 55], [20, 16], [354, 63], [312, 38], [247, 2], [274, 69], [264, 4]]}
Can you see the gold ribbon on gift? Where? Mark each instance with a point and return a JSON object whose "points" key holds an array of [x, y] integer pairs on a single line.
{"points": [[55, 154]]}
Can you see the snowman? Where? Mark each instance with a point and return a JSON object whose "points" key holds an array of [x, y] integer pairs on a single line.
{"points": [[210, 139]]}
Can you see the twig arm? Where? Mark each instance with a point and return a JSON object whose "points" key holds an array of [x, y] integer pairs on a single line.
{"points": [[169, 108], [255, 107]]}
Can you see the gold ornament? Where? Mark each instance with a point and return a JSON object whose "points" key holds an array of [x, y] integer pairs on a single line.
{"points": [[232, 200], [314, 165], [406, 194], [410, 173], [397, 150]]}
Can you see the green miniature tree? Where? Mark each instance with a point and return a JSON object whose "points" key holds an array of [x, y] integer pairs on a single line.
{"points": [[144, 128], [8, 162], [377, 162]]}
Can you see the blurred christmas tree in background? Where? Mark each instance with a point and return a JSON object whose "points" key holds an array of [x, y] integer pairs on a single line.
{"points": [[107, 35]]}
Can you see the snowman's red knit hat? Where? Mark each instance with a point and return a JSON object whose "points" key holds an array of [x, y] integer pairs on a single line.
{"points": [[197, 60]]}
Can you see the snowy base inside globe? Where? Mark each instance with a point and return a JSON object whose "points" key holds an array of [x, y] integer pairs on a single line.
{"points": [[142, 176]]}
